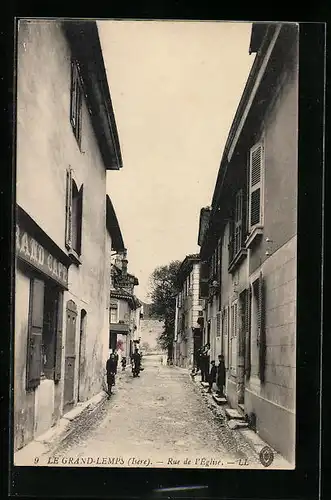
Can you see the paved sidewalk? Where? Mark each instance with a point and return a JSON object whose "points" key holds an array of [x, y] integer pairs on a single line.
{"points": [[250, 436]]}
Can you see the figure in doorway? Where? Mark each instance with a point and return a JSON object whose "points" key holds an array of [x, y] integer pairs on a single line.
{"points": [[220, 379], [205, 363]]}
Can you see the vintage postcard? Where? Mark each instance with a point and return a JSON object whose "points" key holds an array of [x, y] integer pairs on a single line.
{"points": [[156, 244]]}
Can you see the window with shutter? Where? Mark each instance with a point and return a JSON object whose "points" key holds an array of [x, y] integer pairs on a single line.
{"points": [[233, 337], [76, 100], [238, 222], [231, 240], [248, 333], [77, 208], [74, 215], [68, 235], [34, 348], [236, 227], [256, 186], [225, 337]]}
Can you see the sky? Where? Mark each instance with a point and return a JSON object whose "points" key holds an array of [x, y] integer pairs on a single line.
{"points": [[175, 87]]}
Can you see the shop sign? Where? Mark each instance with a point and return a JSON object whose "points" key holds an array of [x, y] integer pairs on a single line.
{"points": [[29, 250]]}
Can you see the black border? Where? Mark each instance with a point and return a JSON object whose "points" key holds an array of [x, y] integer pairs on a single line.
{"points": [[138, 483]]}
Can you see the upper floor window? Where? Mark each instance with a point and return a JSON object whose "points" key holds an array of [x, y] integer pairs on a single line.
{"points": [[237, 226], [76, 102], [256, 174], [74, 214], [113, 312]]}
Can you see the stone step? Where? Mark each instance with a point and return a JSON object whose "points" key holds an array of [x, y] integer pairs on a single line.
{"points": [[219, 400], [232, 413], [237, 424]]}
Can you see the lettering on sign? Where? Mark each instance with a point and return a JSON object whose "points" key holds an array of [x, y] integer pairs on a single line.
{"points": [[31, 251]]}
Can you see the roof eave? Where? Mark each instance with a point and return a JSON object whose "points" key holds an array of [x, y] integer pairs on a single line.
{"points": [[113, 227], [83, 38], [252, 77]]}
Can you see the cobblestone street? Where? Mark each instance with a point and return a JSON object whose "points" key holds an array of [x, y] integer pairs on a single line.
{"points": [[158, 419]]}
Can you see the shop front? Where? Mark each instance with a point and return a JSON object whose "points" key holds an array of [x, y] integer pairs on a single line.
{"points": [[41, 277]]}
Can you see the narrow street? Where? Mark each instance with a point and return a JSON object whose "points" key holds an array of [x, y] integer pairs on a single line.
{"points": [[157, 420]]}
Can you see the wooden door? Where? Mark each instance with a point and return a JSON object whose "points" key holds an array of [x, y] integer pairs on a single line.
{"points": [[70, 355]]}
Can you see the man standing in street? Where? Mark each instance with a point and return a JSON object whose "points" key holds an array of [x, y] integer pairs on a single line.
{"points": [[212, 375], [220, 379], [111, 368], [205, 361], [136, 362]]}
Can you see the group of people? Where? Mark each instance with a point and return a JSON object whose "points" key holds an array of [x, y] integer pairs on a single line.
{"points": [[112, 364], [210, 372]]}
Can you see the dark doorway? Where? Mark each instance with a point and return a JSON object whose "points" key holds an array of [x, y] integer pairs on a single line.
{"points": [[81, 359], [242, 334], [197, 343], [70, 356], [208, 332], [50, 323], [113, 341]]}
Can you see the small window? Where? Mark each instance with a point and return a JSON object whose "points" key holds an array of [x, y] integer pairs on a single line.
{"points": [[113, 314], [76, 100]]}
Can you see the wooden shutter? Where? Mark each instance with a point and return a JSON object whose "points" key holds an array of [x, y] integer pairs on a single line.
{"points": [[68, 228], [242, 323], [248, 333], [234, 336], [261, 329], [79, 110], [226, 336], [73, 95], [238, 222], [255, 185], [203, 282], [80, 220], [218, 324], [231, 240], [59, 346], [34, 348]]}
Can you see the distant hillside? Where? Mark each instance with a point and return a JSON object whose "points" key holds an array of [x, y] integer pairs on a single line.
{"points": [[150, 328]]}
